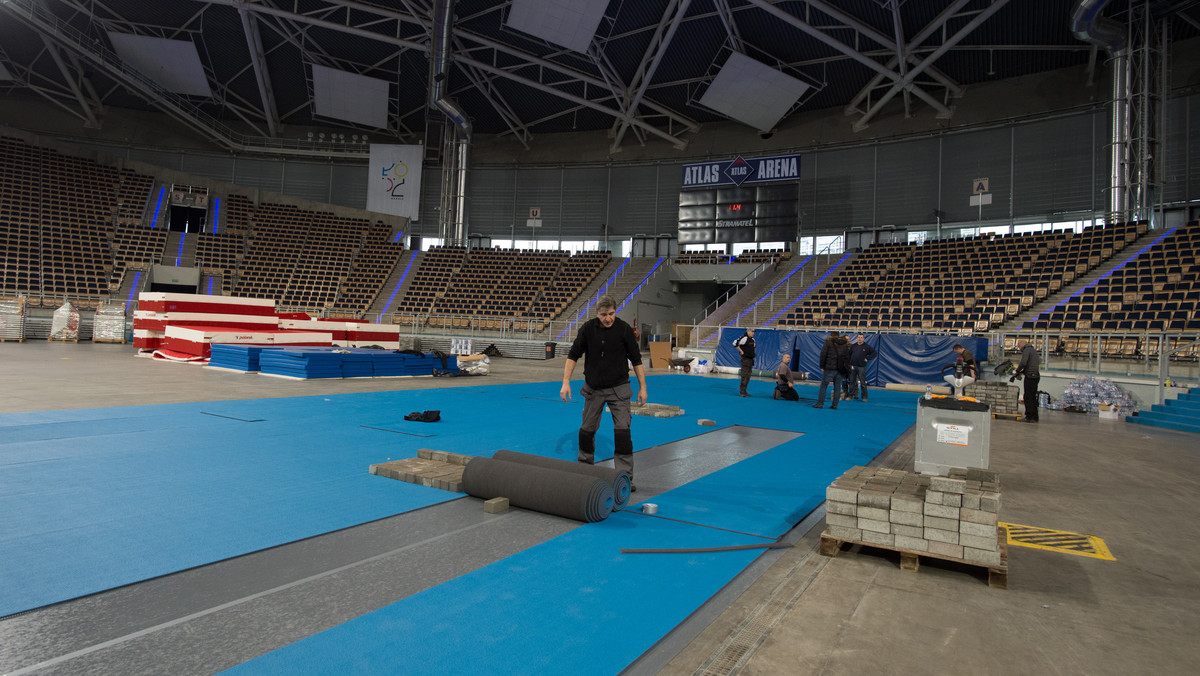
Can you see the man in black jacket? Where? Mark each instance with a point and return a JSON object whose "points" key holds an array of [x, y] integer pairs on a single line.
{"points": [[745, 347], [1030, 369], [834, 362], [610, 347], [860, 354]]}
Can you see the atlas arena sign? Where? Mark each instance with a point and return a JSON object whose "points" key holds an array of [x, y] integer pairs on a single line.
{"points": [[739, 170]]}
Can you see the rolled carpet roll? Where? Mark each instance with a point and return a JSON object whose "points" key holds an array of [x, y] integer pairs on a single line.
{"points": [[552, 491], [617, 478]]}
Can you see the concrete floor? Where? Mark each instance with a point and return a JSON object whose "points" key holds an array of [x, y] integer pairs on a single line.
{"points": [[792, 612]]}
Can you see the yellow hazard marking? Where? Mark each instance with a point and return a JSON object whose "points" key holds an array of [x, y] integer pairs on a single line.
{"points": [[1079, 544]]}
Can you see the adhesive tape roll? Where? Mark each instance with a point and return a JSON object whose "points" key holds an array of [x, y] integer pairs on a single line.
{"points": [[649, 508]]}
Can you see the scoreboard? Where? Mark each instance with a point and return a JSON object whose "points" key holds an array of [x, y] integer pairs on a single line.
{"points": [[747, 213]]}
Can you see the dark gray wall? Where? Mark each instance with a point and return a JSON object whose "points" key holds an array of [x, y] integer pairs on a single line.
{"points": [[1039, 139], [1039, 169]]}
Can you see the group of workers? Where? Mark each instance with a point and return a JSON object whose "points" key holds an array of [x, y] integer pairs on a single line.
{"points": [[610, 350]]}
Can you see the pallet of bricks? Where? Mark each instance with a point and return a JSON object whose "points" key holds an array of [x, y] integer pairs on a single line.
{"points": [[953, 518], [1000, 395]]}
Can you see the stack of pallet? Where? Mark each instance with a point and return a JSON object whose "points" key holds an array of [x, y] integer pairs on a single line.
{"points": [[952, 517], [1000, 395]]}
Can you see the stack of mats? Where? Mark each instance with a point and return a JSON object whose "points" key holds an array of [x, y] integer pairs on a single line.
{"points": [[237, 357], [401, 364], [296, 362], [334, 362], [387, 363], [358, 363]]}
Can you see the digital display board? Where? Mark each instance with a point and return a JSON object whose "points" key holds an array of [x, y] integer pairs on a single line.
{"points": [[763, 213]]}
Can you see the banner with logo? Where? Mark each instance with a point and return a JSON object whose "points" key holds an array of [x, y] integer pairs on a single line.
{"points": [[394, 181], [739, 170]]}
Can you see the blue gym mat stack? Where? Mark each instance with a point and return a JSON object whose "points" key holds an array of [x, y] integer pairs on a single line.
{"points": [[237, 357]]}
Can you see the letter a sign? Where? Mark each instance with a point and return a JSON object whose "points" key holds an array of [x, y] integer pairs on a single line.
{"points": [[980, 186]]}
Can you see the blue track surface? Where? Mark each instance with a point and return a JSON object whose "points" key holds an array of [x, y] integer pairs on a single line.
{"points": [[575, 604], [97, 498]]}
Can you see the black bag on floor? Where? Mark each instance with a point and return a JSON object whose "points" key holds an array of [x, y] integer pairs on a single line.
{"points": [[424, 416]]}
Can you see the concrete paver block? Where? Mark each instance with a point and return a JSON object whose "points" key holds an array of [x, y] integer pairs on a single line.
{"points": [[939, 535], [495, 505], [875, 513], [945, 549], [918, 544]]}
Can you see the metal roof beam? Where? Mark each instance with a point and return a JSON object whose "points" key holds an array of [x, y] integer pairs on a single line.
{"points": [[529, 59], [907, 80], [907, 54], [258, 60], [731, 29], [650, 60], [41, 20], [487, 87], [898, 28], [893, 43], [84, 106]]}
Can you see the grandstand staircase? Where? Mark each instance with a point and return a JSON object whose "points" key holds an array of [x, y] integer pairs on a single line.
{"points": [[619, 287], [127, 292], [1181, 414], [765, 296], [1127, 254], [380, 305], [180, 250]]}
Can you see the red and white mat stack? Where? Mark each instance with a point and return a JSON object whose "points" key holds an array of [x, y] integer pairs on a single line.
{"points": [[182, 326], [350, 333]]}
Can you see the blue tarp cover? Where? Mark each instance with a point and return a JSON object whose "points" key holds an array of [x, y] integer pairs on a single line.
{"points": [[900, 358]]}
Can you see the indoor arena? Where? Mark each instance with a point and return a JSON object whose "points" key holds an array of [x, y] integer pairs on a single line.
{"points": [[599, 337]]}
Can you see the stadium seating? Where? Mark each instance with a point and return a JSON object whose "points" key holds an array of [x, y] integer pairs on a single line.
{"points": [[959, 285]]}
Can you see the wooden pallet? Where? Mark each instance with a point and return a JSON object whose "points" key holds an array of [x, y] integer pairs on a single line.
{"points": [[119, 341], [52, 339], [12, 340], [910, 560], [1007, 416]]}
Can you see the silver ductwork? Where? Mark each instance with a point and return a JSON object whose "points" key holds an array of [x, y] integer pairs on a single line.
{"points": [[457, 157], [1089, 26]]}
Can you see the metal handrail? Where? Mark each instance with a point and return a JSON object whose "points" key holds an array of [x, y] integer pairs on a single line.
{"points": [[733, 290]]}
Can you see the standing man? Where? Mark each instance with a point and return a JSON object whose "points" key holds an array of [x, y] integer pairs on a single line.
{"points": [[1030, 368], [969, 366], [610, 347], [834, 360], [745, 347], [860, 354]]}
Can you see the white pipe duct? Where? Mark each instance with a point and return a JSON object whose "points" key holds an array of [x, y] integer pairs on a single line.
{"points": [[1089, 26], [454, 164]]}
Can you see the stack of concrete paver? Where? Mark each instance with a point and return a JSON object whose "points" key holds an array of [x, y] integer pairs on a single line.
{"points": [[1000, 395], [437, 469], [951, 517]]}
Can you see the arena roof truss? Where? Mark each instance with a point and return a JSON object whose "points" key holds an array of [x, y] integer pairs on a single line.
{"points": [[640, 78]]}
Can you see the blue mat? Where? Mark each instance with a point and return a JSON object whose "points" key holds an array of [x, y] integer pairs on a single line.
{"points": [[98, 498], [575, 604]]}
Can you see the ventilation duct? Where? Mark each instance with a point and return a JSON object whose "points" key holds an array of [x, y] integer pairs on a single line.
{"points": [[457, 159], [1089, 26]]}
